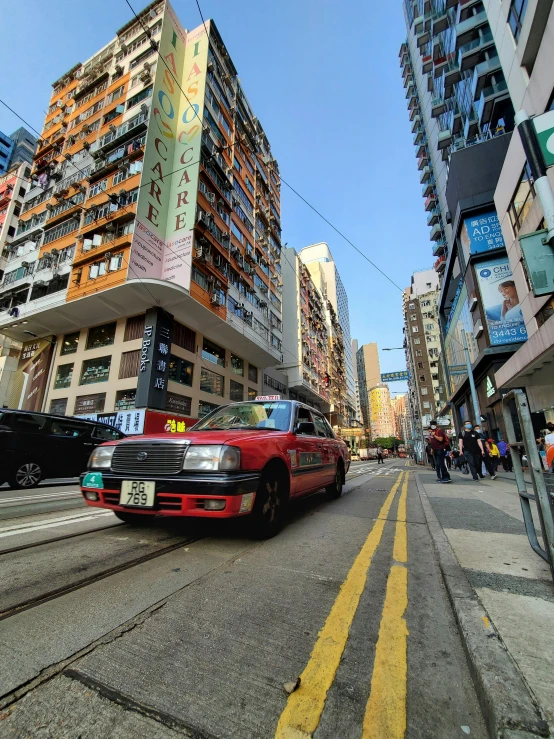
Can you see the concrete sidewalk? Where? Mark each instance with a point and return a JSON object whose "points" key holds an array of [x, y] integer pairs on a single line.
{"points": [[483, 524]]}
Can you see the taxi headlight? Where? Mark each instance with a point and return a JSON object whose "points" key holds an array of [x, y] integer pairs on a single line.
{"points": [[212, 458], [101, 458]]}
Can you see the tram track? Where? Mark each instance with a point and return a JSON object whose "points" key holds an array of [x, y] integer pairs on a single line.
{"points": [[85, 581]]}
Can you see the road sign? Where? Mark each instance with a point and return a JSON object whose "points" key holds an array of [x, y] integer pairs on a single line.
{"points": [[544, 126], [395, 376], [539, 260]]}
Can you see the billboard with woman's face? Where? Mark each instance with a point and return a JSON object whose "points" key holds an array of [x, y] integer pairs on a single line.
{"points": [[500, 302]]}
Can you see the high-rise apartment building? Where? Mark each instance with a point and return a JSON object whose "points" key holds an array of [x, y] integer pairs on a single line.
{"points": [[369, 375], [354, 350], [307, 337], [402, 418], [462, 115], [422, 344], [148, 267], [382, 419], [16, 149], [324, 272]]}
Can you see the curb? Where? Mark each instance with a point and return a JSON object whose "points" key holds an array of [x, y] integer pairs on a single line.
{"points": [[509, 708]]}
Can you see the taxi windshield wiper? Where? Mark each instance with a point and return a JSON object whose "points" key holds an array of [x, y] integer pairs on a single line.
{"points": [[240, 427]]}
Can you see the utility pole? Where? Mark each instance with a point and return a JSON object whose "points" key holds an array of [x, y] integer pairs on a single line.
{"points": [[533, 152], [474, 398]]}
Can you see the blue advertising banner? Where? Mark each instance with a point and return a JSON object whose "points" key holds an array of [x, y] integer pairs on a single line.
{"points": [[395, 376], [482, 233], [501, 302]]}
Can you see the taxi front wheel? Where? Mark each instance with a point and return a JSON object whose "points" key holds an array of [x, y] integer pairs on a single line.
{"points": [[268, 515]]}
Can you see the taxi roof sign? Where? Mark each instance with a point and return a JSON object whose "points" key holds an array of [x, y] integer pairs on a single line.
{"points": [[267, 397]]}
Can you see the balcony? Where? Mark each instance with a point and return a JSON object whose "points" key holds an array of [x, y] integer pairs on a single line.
{"points": [[428, 188], [427, 64], [444, 139], [436, 232], [434, 217], [438, 106], [423, 37], [471, 125], [440, 22], [452, 74], [466, 30], [425, 175], [430, 83], [423, 161], [481, 73], [416, 120], [419, 136], [407, 70], [410, 91], [470, 53], [431, 200], [457, 122], [439, 248], [421, 150], [487, 101], [439, 65], [408, 80], [440, 264], [413, 102], [413, 112], [119, 134]]}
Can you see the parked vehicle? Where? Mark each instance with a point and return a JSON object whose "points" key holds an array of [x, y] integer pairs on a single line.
{"points": [[242, 459], [38, 445]]}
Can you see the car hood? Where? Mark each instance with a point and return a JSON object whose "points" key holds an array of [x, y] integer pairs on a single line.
{"points": [[208, 437]]}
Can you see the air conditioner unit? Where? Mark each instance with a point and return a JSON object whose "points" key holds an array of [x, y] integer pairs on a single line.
{"points": [[218, 260], [60, 104], [49, 207], [112, 128], [263, 304], [87, 244], [85, 128], [210, 67], [145, 77], [246, 313], [79, 73], [199, 252], [118, 69], [215, 300], [108, 255], [211, 198], [25, 264]]}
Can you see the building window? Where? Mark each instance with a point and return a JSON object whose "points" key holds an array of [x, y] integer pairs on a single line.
{"points": [[522, 199], [59, 406], [100, 336], [211, 382], [64, 375], [424, 391], [236, 391], [70, 343], [252, 373], [426, 404], [237, 365], [415, 329], [252, 393], [125, 399], [422, 378], [180, 370], [95, 370], [205, 408], [414, 317], [213, 353], [420, 364], [417, 341], [516, 16]]}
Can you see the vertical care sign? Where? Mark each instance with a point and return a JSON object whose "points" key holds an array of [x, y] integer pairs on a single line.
{"points": [[154, 359]]}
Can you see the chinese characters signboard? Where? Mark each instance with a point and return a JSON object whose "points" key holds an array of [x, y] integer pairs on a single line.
{"points": [[544, 126], [154, 359], [34, 365], [395, 376], [482, 233]]}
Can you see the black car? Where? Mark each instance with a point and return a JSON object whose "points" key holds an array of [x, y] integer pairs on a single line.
{"points": [[38, 445]]}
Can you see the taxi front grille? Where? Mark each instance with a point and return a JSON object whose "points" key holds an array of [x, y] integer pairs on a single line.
{"points": [[142, 459]]}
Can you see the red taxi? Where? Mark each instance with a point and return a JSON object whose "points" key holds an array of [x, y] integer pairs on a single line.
{"points": [[245, 458]]}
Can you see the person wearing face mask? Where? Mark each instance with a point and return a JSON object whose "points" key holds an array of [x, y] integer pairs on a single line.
{"points": [[471, 446], [439, 443]]}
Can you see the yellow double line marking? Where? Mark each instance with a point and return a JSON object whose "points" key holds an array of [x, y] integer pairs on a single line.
{"points": [[386, 707]]}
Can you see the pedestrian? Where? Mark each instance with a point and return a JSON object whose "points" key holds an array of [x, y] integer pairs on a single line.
{"points": [[430, 458], [438, 441], [494, 456], [503, 451], [380, 455], [471, 446]]}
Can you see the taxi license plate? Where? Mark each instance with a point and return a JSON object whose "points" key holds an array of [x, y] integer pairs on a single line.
{"points": [[138, 493]]}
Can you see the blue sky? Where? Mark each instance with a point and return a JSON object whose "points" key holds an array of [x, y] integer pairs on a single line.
{"points": [[324, 79]]}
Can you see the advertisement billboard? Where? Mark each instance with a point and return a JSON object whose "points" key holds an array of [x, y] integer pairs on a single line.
{"points": [[166, 206], [500, 302], [34, 368], [481, 233]]}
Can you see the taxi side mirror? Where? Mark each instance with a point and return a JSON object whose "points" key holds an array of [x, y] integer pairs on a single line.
{"points": [[306, 428]]}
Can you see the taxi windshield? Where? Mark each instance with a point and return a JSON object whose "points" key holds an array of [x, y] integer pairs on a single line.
{"points": [[274, 416]]}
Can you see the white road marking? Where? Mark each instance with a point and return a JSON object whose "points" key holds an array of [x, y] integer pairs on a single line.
{"points": [[44, 496], [26, 528]]}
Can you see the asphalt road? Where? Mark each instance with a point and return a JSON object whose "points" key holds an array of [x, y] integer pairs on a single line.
{"points": [[193, 630]]}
